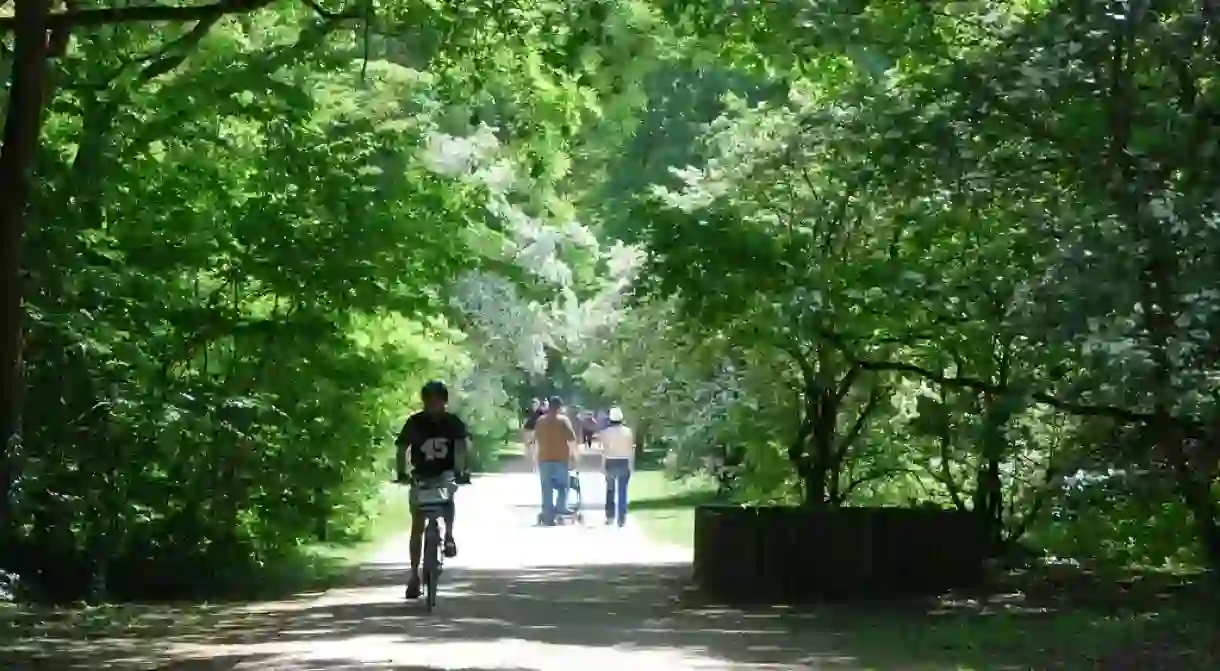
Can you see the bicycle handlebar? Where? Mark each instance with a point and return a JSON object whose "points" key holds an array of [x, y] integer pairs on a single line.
{"points": [[459, 478]]}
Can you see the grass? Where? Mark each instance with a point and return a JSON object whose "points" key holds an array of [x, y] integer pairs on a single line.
{"points": [[493, 459], [1012, 640], [665, 508], [391, 516], [1044, 619]]}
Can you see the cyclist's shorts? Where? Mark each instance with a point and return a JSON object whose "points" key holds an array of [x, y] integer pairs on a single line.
{"points": [[447, 480]]}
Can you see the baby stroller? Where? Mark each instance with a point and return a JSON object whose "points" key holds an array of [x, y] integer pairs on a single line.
{"points": [[572, 512]]}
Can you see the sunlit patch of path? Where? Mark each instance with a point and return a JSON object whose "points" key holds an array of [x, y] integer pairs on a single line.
{"points": [[524, 597]]}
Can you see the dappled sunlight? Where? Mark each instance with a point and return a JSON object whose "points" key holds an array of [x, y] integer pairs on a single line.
{"points": [[504, 619], [890, 298], [522, 598]]}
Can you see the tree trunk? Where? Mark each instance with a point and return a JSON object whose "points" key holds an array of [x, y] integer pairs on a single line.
{"points": [[22, 128], [1208, 522], [824, 430], [1206, 513], [989, 484], [1195, 488], [989, 502], [815, 488]]}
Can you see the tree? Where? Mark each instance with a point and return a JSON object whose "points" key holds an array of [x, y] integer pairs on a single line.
{"points": [[243, 270], [943, 197]]}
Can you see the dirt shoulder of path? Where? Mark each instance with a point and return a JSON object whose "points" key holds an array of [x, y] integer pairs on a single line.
{"points": [[138, 637]]}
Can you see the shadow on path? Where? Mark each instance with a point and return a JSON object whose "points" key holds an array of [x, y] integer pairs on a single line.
{"points": [[540, 618], [640, 617], [636, 617]]}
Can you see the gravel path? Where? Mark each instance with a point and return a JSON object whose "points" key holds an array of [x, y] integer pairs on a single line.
{"points": [[525, 597]]}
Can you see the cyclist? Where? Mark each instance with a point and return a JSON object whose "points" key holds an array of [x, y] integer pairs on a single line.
{"points": [[437, 442]]}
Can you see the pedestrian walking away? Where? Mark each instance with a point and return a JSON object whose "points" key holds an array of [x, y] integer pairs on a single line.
{"points": [[555, 441], [588, 428], [618, 462], [536, 410]]}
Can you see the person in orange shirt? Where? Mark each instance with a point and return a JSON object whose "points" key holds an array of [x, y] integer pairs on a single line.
{"points": [[556, 452]]}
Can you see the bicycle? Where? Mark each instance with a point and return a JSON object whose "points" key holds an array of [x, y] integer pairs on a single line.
{"points": [[432, 497], [432, 501]]}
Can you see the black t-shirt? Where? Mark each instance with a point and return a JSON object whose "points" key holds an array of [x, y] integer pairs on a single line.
{"points": [[430, 440]]}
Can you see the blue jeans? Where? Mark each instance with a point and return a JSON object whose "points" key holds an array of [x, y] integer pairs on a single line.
{"points": [[554, 478], [618, 474]]}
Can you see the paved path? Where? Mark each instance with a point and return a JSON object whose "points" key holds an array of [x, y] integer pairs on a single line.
{"points": [[520, 597]]}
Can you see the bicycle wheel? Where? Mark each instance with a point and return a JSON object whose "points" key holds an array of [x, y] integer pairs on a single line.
{"points": [[431, 548], [433, 579]]}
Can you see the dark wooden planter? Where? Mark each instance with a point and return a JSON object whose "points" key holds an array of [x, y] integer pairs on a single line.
{"points": [[786, 554]]}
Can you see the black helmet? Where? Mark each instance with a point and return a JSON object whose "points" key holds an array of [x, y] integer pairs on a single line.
{"points": [[435, 389]]}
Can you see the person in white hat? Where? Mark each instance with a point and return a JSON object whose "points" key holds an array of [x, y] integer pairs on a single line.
{"points": [[618, 461]]}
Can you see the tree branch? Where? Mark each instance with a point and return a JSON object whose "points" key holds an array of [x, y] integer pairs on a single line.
{"points": [[259, 64], [960, 382], [946, 471], [874, 398], [870, 476], [60, 35], [145, 14], [806, 398], [327, 14], [1042, 494], [176, 52], [186, 40], [73, 18], [1070, 407], [846, 384]]}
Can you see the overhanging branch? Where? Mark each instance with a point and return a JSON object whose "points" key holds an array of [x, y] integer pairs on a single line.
{"points": [[143, 14], [959, 382], [1070, 407], [72, 18]]}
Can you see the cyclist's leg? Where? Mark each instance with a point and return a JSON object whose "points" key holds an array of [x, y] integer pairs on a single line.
{"points": [[450, 514], [418, 522]]}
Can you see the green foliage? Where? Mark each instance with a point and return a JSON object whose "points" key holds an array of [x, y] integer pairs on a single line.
{"points": [[945, 253], [241, 270], [964, 257]]}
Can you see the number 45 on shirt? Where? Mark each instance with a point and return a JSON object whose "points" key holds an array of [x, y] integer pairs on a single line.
{"points": [[435, 448]]}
